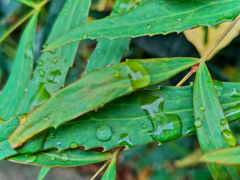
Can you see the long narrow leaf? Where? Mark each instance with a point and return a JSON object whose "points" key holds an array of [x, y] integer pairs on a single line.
{"points": [[110, 173], [95, 90], [154, 17], [212, 127], [16, 87], [43, 173]]}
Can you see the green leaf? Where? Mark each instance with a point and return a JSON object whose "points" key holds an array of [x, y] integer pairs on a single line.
{"points": [[40, 88], [212, 128], [96, 89], [109, 52], [43, 173], [16, 87], [110, 173], [154, 17], [66, 158], [226, 156], [120, 116]]}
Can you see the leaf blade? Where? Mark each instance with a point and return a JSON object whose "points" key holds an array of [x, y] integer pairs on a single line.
{"points": [[110, 173], [44, 171]]}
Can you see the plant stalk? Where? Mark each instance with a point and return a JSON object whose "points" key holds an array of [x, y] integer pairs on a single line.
{"points": [[100, 170]]}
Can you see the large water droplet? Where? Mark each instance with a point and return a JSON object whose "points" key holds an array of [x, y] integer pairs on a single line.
{"points": [[103, 133], [84, 36], [223, 122], [198, 122], [41, 72], [73, 145], [138, 74], [124, 140], [235, 93], [219, 87], [54, 76], [64, 157], [229, 138], [165, 126], [31, 159]]}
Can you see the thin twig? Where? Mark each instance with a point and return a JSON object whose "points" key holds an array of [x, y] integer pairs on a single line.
{"points": [[204, 58], [193, 70], [100, 170]]}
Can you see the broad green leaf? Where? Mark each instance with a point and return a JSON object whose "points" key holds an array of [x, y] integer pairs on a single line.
{"points": [[129, 123], [15, 89], [122, 115], [40, 88], [212, 127], [227, 156], [66, 158], [110, 173], [43, 173], [96, 89], [154, 17], [108, 52]]}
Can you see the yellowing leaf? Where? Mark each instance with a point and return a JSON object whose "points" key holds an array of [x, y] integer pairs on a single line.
{"points": [[204, 37]]}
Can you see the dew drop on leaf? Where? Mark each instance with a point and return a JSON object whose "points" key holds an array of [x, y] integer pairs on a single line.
{"points": [[29, 50], [41, 72], [144, 126], [103, 133], [191, 130], [46, 119], [31, 158], [73, 145], [54, 76], [166, 60], [198, 122], [52, 51], [223, 122], [23, 120], [229, 138], [179, 19], [124, 140], [235, 93], [219, 87], [40, 63], [55, 60], [149, 26], [201, 108], [107, 65], [52, 158], [84, 36], [165, 126], [64, 157]]}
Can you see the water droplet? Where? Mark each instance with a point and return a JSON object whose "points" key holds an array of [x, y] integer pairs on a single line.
{"points": [[46, 119], [54, 76], [124, 140], [166, 60], [144, 126], [116, 75], [31, 159], [73, 145], [40, 63], [52, 135], [201, 108], [55, 60], [102, 105], [52, 51], [198, 122], [137, 73], [59, 143], [219, 87], [64, 157], [179, 19], [23, 120], [149, 26], [107, 65], [165, 126], [191, 130], [103, 133], [29, 50], [84, 36], [41, 72], [52, 158], [26, 89], [235, 93], [229, 138], [223, 122]]}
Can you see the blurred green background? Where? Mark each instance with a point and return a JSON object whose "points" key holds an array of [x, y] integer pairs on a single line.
{"points": [[147, 162]]}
